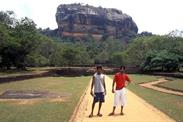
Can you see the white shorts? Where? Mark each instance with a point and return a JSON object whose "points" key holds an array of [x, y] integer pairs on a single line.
{"points": [[120, 97]]}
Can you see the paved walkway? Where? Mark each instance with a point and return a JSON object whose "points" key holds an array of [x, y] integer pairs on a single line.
{"points": [[136, 110]]}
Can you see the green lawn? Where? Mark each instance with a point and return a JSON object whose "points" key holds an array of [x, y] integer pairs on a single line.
{"points": [[175, 83], [43, 111], [172, 105]]}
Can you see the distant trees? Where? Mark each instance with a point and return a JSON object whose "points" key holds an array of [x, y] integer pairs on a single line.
{"points": [[176, 33], [145, 33], [7, 18], [17, 39], [22, 44], [163, 60], [117, 58], [156, 53]]}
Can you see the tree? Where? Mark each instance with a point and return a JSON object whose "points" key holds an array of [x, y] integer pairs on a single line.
{"points": [[155, 53], [163, 60], [7, 47], [75, 56], [117, 59], [26, 35], [17, 42], [7, 18]]}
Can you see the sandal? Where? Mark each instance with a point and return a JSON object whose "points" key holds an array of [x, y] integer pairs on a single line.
{"points": [[100, 115], [91, 115], [122, 113], [111, 114]]}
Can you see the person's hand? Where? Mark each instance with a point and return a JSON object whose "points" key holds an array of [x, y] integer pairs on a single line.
{"points": [[126, 83], [105, 93], [113, 91], [91, 92]]}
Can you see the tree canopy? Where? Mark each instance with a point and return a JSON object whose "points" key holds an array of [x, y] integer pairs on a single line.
{"points": [[22, 44], [155, 53]]}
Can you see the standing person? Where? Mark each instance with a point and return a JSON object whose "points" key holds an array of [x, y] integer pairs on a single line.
{"points": [[98, 83], [121, 80]]}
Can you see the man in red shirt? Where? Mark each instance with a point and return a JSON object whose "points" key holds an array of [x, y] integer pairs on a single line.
{"points": [[121, 80]]}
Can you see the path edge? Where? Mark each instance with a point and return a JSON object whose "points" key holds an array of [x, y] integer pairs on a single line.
{"points": [[74, 114], [179, 93]]}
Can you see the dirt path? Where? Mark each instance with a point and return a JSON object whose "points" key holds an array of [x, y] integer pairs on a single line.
{"points": [[151, 85], [136, 110]]}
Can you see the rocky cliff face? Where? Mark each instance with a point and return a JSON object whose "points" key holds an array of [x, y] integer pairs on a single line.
{"points": [[76, 20]]}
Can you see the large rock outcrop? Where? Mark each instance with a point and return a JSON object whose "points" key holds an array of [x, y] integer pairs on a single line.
{"points": [[76, 20]]}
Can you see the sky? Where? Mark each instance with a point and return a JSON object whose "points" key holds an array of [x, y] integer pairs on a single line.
{"points": [[156, 16]]}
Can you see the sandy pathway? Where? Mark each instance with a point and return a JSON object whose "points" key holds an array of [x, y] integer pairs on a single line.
{"points": [[152, 84], [136, 110]]}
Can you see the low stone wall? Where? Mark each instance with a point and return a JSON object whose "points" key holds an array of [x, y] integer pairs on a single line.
{"points": [[25, 77], [133, 70], [66, 71], [85, 71], [80, 71]]}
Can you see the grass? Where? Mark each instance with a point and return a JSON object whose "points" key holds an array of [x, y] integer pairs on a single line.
{"points": [[171, 105], [43, 111], [176, 84]]}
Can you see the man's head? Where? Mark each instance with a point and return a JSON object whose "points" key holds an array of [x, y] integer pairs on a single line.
{"points": [[99, 69], [122, 69]]}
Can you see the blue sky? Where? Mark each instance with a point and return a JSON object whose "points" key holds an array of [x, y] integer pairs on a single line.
{"points": [[156, 16]]}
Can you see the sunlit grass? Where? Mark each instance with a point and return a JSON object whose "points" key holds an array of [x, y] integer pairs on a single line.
{"points": [[175, 83], [43, 111]]}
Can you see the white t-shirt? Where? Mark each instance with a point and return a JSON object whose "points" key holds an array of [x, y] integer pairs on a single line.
{"points": [[98, 83]]}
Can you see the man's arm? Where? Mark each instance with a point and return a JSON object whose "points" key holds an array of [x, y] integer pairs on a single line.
{"points": [[113, 83], [128, 81], [93, 80], [104, 86]]}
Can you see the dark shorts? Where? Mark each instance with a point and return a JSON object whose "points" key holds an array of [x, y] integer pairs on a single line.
{"points": [[99, 97]]}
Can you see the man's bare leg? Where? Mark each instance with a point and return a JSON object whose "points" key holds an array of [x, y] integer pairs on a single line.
{"points": [[100, 105], [113, 111], [93, 106], [122, 110]]}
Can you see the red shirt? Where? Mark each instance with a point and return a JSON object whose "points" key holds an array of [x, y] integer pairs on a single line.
{"points": [[120, 80]]}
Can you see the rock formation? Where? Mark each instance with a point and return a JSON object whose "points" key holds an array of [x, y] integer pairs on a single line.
{"points": [[76, 20]]}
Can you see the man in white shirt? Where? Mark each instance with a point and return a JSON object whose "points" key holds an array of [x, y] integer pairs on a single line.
{"points": [[98, 83]]}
